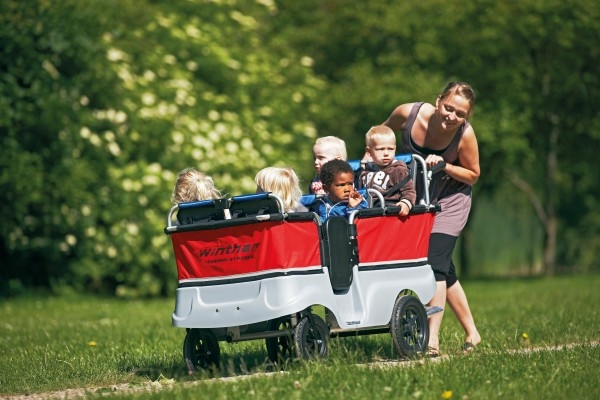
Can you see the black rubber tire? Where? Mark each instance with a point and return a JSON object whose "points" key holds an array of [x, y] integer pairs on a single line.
{"points": [[311, 340], [409, 327], [280, 349], [201, 350]]}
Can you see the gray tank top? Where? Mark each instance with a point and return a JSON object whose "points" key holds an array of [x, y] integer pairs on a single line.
{"points": [[442, 185], [453, 196]]}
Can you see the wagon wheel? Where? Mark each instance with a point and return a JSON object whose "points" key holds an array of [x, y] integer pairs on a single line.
{"points": [[311, 337], [280, 349], [201, 350], [409, 327]]}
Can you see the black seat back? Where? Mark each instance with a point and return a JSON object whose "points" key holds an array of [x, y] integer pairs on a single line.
{"points": [[250, 205], [201, 211], [340, 253]]}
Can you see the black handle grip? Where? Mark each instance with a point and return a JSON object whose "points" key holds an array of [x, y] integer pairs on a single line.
{"points": [[438, 167]]}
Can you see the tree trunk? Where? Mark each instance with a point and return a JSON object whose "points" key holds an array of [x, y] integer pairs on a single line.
{"points": [[550, 246], [551, 223]]}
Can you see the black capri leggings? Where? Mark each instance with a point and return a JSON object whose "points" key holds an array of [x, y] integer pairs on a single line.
{"points": [[441, 247]]}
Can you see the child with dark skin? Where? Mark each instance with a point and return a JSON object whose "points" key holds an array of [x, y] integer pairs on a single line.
{"points": [[341, 196]]}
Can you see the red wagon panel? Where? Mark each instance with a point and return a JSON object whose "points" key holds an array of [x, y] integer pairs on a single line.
{"points": [[244, 250], [391, 239]]}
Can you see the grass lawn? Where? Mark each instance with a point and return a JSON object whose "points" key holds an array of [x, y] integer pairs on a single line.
{"points": [[51, 344]]}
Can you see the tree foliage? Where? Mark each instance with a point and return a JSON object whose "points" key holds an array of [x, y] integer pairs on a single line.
{"points": [[534, 68], [106, 110], [101, 112], [53, 76]]}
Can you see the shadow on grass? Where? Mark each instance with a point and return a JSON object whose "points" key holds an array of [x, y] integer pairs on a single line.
{"points": [[253, 359], [247, 362], [364, 349]]}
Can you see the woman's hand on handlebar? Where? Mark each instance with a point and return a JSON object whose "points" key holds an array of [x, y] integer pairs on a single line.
{"points": [[435, 163]]}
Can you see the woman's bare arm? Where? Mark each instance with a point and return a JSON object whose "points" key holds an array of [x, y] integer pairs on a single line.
{"points": [[468, 155], [398, 117]]}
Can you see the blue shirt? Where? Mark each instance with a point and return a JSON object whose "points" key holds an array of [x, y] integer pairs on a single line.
{"points": [[328, 209]]}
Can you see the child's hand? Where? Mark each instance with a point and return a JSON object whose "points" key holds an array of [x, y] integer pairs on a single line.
{"points": [[355, 199], [404, 209]]}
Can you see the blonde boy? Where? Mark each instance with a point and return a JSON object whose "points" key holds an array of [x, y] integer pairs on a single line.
{"points": [[326, 149], [389, 176]]}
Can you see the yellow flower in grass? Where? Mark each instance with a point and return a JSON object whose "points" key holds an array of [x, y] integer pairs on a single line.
{"points": [[446, 394]]}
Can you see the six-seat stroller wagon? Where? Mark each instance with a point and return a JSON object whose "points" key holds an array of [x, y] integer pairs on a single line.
{"points": [[248, 270]]}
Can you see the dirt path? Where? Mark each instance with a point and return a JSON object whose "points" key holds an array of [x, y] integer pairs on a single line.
{"points": [[162, 383]]}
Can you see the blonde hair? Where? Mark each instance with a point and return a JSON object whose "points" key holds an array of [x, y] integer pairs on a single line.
{"points": [[376, 132], [283, 182], [193, 185], [336, 143]]}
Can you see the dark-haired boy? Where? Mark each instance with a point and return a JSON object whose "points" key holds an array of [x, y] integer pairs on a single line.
{"points": [[341, 196]]}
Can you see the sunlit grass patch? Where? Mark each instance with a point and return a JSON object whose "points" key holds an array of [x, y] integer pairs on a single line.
{"points": [[51, 344]]}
